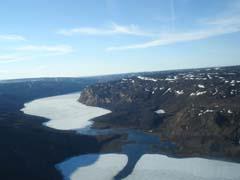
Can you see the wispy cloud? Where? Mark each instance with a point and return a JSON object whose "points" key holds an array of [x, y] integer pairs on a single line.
{"points": [[30, 52], [12, 58], [213, 27], [225, 21], [173, 38], [114, 29], [54, 49], [228, 21], [3, 72], [12, 37]]}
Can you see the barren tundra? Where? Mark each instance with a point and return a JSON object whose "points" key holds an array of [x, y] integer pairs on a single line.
{"points": [[201, 108]]}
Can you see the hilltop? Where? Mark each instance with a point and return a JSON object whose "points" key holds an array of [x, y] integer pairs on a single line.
{"points": [[199, 109]]}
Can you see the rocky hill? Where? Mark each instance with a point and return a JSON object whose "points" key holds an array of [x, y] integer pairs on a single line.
{"points": [[198, 109]]}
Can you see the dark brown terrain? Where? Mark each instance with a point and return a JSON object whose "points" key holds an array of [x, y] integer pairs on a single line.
{"points": [[199, 109]]}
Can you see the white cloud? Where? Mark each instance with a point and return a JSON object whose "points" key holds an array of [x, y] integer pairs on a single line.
{"points": [[3, 72], [213, 27], [225, 21], [30, 52], [173, 38], [112, 30], [12, 58], [54, 49], [12, 37], [228, 21]]}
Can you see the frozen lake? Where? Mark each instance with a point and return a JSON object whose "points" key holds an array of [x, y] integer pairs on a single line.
{"points": [[150, 166], [156, 166], [64, 111], [93, 166]]}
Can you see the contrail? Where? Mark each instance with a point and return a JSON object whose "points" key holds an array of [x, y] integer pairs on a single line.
{"points": [[173, 15]]}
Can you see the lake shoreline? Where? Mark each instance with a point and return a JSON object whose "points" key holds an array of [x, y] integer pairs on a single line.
{"points": [[128, 142]]}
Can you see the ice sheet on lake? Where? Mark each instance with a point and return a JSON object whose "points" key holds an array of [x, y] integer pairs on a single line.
{"points": [[64, 111], [157, 167], [93, 166]]}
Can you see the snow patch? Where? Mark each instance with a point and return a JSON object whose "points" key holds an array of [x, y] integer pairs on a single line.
{"points": [[171, 79], [198, 93], [147, 90], [168, 90], [216, 91], [147, 78], [201, 86], [209, 77], [208, 111], [204, 112], [233, 92], [160, 111], [179, 92], [229, 111], [233, 83]]}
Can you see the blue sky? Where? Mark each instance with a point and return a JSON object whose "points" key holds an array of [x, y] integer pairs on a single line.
{"points": [[92, 37]]}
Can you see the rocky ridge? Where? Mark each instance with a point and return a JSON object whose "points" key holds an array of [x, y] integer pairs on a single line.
{"points": [[198, 109]]}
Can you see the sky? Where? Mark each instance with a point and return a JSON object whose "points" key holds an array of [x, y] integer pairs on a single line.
{"points": [[73, 38]]}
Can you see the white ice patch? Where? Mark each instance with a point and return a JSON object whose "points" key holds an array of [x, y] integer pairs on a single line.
{"points": [[160, 111], [168, 90], [204, 79], [147, 78], [216, 91], [233, 83], [171, 79], [157, 167], [204, 112], [233, 92], [201, 86], [64, 111], [146, 89], [179, 92], [93, 166], [208, 111], [229, 111], [198, 93], [209, 77], [189, 76]]}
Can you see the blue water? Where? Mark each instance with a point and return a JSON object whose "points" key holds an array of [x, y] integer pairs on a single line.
{"points": [[137, 144]]}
